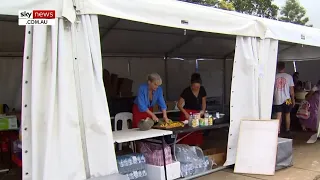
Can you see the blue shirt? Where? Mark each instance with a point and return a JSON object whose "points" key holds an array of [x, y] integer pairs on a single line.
{"points": [[143, 102]]}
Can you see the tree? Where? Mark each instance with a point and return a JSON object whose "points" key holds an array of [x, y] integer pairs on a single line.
{"points": [[221, 4], [261, 8], [293, 12], [212, 3]]}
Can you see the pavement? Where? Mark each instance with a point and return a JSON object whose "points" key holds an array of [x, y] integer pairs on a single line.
{"points": [[306, 164], [306, 161]]}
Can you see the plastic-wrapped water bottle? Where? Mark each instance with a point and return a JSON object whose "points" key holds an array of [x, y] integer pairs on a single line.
{"points": [[144, 172], [134, 165], [125, 164], [182, 170], [139, 158], [120, 165], [143, 159], [192, 169], [130, 175], [130, 165]]}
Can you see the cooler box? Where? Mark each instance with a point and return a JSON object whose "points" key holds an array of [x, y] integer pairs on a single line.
{"points": [[157, 172], [284, 154]]}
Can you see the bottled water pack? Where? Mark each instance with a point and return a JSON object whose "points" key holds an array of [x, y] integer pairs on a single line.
{"points": [[130, 163]]}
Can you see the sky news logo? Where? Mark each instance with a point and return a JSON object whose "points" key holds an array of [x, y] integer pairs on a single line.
{"points": [[37, 17]]}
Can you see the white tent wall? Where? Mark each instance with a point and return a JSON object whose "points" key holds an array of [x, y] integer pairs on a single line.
{"points": [[178, 74], [165, 13], [63, 95], [253, 74]]}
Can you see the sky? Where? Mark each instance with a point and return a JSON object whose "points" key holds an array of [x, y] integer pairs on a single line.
{"points": [[312, 7]]}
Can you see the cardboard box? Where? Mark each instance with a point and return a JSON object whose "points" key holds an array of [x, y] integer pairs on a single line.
{"points": [[171, 105], [156, 108], [106, 77], [217, 155], [125, 94], [8, 122], [125, 85], [157, 172]]}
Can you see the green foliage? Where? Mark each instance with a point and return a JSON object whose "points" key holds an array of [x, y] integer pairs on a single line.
{"points": [[221, 4], [261, 8], [293, 12], [212, 3]]}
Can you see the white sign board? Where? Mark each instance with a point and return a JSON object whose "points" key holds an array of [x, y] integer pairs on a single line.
{"points": [[257, 147]]}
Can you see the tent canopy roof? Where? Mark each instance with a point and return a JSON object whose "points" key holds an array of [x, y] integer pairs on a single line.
{"points": [[62, 7], [176, 14], [172, 13], [133, 39]]}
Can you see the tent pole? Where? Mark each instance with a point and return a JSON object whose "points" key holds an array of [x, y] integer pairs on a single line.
{"points": [[166, 75], [224, 80]]}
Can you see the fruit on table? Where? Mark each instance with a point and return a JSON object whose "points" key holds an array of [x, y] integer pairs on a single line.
{"points": [[171, 124]]}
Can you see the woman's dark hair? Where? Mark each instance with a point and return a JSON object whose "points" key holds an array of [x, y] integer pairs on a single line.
{"points": [[196, 78]]}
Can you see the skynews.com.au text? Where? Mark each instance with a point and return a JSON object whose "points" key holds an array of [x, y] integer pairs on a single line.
{"points": [[37, 17]]}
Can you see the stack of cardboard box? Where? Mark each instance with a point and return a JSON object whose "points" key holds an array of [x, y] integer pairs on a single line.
{"points": [[170, 106], [115, 86]]}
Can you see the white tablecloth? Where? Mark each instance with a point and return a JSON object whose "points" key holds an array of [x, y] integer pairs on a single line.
{"points": [[136, 134]]}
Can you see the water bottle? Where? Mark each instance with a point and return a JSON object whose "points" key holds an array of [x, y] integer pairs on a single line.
{"points": [[120, 165], [125, 164], [144, 173], [206, 118], [190, 119], [139, 158], [191, 169], [183, 170], [217, 115], [143, 159], [131, 176]]}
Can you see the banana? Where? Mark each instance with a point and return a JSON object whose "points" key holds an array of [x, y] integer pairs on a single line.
{"points": [[171, 124]]}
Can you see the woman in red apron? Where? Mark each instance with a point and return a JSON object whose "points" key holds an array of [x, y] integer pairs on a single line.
{"points": [[194, 99], [149, 94]]}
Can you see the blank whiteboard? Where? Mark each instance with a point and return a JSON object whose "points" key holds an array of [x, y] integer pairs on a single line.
{"points": [[257, 147]]}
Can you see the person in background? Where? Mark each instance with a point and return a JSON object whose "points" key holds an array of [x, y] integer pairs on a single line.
{"points": [[298, 87], [149, 94], [193, 100], [295, 77], [313, 97], [283, 98], [299, 92]]}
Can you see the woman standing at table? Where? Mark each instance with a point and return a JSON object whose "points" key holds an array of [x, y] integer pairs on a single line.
{"points": [[149, 94], [194, 99]]}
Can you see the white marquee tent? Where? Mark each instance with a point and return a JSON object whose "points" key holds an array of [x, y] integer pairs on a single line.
{"points": [[62, 78]]}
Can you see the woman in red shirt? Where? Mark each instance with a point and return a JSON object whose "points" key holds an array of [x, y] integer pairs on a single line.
{"points": [[194, 99]]}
